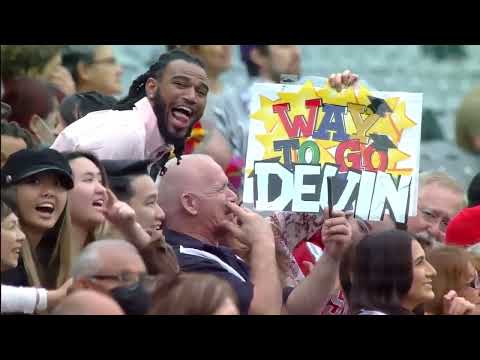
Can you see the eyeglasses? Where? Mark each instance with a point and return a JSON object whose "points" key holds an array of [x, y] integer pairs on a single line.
{"points": [[129, 278], [432, 218]]}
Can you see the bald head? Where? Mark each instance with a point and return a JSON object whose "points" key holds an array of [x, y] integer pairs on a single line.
{"points": [[194, 196], [195, 172], [88, 302], [186, 174]]}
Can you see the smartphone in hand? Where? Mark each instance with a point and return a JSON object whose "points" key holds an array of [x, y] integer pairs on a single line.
{"points": [[330, 195]]}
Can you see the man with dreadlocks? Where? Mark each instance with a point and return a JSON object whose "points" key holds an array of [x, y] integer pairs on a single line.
{"points": [[159, 112]]}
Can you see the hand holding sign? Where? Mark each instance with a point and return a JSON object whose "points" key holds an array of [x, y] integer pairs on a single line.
{"points": [[339, 81], [368, 141], [336, 233]]}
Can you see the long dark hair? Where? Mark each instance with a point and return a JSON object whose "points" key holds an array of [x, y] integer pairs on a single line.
{"points": [[377, 272], [70, 156], [50, 263]]}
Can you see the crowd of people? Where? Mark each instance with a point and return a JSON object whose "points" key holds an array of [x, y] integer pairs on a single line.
{"points": [[133, 206]]}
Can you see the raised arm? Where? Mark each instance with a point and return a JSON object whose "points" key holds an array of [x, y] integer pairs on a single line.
{"points": [[315, 290], [256, 231]]}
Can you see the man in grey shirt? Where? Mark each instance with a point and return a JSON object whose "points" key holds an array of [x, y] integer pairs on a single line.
{"points": [[264, 63]]}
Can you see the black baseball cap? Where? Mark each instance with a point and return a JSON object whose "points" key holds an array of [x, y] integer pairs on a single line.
{"points": [[27, 162]]}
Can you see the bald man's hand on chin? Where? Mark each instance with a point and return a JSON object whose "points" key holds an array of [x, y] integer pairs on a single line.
{"points": [[256, 232], [249, 228]]}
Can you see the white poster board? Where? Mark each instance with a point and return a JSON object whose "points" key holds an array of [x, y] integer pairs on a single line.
{"points": [[367, 141]]}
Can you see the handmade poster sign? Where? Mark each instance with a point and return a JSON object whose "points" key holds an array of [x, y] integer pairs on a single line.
{"points": [[367, 141]]}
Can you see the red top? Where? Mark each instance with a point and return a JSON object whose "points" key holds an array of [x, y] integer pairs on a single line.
{"points": [[464, 228], [310, 250]]}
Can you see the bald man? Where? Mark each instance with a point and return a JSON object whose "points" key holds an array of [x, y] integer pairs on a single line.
{"points": [[200, 210], [193, 196], [88, 302]]}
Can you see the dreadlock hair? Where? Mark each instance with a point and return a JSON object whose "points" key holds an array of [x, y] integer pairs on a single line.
{"points": [[137, 89]]}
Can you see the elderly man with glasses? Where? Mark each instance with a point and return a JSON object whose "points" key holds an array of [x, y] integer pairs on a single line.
{"points": [[115, 268], [440, 198], [127, 271]]}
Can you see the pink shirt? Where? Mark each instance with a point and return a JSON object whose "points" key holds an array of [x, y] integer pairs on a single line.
{"points": [[115, 135]]}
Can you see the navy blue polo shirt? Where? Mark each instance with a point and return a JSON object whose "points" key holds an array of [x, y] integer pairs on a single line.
{"points": [[196, 256]]}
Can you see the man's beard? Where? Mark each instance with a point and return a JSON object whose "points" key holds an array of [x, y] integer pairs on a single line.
{"points": [[427, 240], [160, 112]]}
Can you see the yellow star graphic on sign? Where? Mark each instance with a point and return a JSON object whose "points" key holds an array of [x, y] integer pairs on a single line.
{"points": [[394, 157], [392, 124], [400, 118]]}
